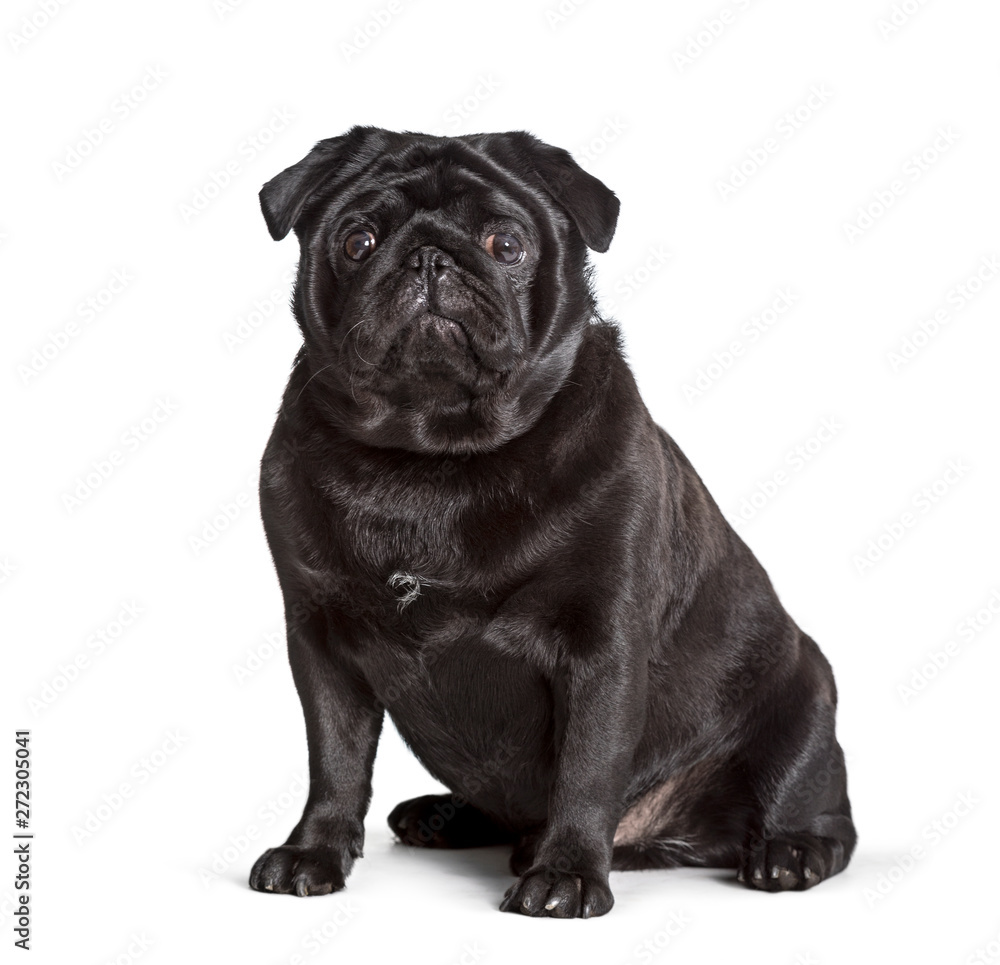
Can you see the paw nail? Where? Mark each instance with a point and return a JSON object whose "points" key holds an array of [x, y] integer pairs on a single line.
{"points": [[552, 904], [740, 876], [808, 873], [758, 875], [775, 871]]}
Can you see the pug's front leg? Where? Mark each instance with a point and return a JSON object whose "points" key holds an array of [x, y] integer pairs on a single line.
{"points": [[599, 708], [343, 722]]}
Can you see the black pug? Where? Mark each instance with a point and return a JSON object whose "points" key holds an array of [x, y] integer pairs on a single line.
{"points": [[479, 529]]}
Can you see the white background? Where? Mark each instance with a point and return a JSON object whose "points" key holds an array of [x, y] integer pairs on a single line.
{"points": [[169, 862]]}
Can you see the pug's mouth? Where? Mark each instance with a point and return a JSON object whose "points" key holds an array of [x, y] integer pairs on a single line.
{"points": [[434, 345], [434, 325], [431, 356]]}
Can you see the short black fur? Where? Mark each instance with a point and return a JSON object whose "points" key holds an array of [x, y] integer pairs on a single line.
{"points": [[479, 529]]}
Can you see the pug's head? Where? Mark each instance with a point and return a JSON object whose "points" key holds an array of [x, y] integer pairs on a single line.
{"points": [[442, 287]]}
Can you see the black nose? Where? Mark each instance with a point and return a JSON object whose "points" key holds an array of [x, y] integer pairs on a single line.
{"points": [[429, 260]]}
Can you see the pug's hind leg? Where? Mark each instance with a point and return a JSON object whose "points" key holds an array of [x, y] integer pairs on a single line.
{"points": [[441, 821], [792, 861]]}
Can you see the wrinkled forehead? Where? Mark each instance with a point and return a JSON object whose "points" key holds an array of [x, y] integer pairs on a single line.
{"points": [[464, 184]]}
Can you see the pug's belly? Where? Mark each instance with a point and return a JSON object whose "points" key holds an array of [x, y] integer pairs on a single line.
{"points": [[481, 722]]}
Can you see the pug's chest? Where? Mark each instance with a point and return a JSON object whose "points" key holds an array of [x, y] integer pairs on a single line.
{"points": [[415, 612], [413, 571], [411, 577]]}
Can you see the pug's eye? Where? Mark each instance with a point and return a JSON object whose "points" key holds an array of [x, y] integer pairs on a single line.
{"points": [[506, 249], [359, 244]]}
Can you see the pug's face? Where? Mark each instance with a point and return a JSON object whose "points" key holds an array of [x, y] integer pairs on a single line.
{"points": [[442, 287]]}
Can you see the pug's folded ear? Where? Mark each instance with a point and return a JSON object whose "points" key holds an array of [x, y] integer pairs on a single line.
{"points": [[284, 197], [591, 205]]}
